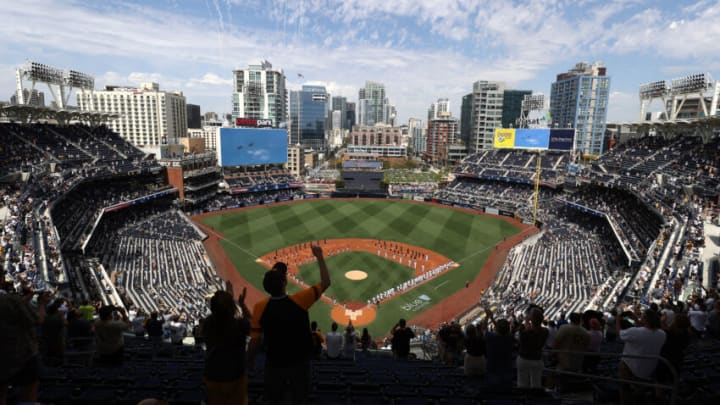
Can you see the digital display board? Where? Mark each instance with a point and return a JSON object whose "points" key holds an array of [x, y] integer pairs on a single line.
{"points": [[534, 138], [250, 146]]}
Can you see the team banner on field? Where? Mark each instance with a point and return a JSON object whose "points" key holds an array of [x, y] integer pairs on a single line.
{"points": [[534, 138], [504, 138]]}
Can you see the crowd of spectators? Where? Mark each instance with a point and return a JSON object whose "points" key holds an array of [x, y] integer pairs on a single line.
{"points": [[487, 193], [515, 165], [566, 268], [155, 256], [150, 256]]}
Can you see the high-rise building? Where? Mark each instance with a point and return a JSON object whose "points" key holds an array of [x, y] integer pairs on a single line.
{"points": [[512, 107], [487, 104], [417, 138], [391, 115], [350, 116], [308, 113], [259, 93], [373, 106], [491, 105], [34, 98], [442, 105], [465, 118], [579, 99], [147, 116], [339, 113], [441, 133], [193, 116]]}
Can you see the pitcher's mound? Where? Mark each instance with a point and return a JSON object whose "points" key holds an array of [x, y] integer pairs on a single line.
{"points": [[356, 275]]}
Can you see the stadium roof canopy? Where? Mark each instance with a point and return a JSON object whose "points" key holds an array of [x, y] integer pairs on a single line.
{"points": [[29, 113]]}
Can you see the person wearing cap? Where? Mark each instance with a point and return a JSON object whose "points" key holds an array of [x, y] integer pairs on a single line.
{"points": [[284, 324]]}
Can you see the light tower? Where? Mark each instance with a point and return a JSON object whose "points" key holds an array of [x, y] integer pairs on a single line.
{"points": [[650, 92], [65, 80], [674, 93]]}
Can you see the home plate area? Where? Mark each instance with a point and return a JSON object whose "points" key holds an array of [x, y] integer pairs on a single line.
{"points": [[359, 313]]}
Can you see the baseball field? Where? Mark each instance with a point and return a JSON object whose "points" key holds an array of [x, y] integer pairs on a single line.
{"points": [[370, 245]]}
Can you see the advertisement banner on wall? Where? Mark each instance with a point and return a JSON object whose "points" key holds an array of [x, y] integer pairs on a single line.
{"points": [[561, 139], [504, 138], [534, 138]]}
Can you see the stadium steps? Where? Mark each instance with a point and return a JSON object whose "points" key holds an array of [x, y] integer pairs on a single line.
{"points": [[76, 145], [34, 146], [97, 139]]}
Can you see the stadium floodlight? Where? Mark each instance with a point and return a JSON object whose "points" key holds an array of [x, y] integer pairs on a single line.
{"points": [[654, 89], [80, 80], [691, 84], [39, 72], [65, 80]]}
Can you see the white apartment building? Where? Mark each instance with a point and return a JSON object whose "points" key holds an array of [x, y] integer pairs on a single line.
{"points": [[259, 93], [146, 115], [486, 115]]}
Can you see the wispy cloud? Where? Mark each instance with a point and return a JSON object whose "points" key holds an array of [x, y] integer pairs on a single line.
{"points": [[420, 49]]}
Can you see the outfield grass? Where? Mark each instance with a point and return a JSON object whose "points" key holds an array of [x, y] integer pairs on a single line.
{"points": [[382, 274], [463, 237]]}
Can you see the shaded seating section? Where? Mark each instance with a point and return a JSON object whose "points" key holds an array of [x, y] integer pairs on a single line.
{"points": [[229, 201], [16, 153], [638, 223], [515, 165], [78, 209], [488, 193], [174, 373]]}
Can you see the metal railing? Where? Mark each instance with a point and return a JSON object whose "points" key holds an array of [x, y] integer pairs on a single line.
{"points": [[673, 387]]}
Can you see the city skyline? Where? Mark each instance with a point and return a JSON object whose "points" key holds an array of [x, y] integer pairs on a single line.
{"points": [[435, 52]]}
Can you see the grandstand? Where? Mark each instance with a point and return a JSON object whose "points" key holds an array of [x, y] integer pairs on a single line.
{"points": [[86, 215]]}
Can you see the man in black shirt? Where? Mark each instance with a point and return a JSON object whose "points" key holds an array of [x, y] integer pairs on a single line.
{"points": [[284, 324], [401, 339]]}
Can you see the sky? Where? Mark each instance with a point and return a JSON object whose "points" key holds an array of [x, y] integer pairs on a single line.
{"points": [[421, 50]]}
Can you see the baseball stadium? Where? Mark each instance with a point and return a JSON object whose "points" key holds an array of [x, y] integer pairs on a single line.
{"points": [[469, 262], [374, 246]]}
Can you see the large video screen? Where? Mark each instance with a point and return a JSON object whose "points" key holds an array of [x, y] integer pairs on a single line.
{"points": [[534, 138], [252, 146]]}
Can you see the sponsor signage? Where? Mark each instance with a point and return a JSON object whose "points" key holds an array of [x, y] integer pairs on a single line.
{"points": [[250, 122], [534, 138], [561, 139], [504, 138]]}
